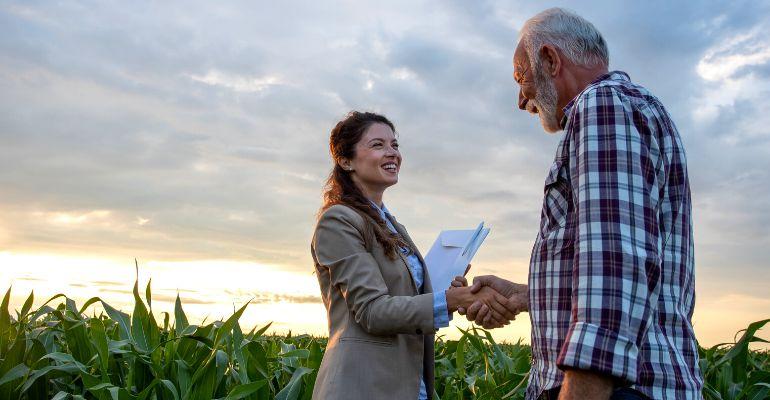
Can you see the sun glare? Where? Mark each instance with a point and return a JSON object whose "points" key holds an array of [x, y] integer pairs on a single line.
{"points": [[208, 289]]}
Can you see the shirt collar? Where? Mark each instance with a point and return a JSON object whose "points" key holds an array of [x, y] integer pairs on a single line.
{"points": [[383, 211], [613, 75]]}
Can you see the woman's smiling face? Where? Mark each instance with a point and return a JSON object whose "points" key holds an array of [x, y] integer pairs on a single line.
{"points": [[377, 160]]}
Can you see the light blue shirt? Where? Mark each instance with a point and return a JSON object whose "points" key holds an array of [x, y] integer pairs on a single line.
{"points": [[440, 312]]}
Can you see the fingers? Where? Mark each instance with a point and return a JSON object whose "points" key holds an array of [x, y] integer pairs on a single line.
{"points": [[496, 311], [516, 304], [505, 306], [497, 303], [473, 310], [491, 319], [479, 320], [494, 326], [459, 281], [461, 310], [494, 319], [481, 314], [479, 282], [490, 309], [501, 312]]}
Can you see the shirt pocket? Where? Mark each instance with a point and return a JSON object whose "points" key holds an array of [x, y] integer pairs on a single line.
{"points": [[556, 199]]}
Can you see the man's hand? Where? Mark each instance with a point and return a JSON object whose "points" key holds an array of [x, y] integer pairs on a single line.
{"points": [[585, 385], [517, 295], [462, 297]]}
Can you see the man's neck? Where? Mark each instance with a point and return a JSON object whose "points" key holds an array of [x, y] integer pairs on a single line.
{"points": [[581, 77], [588, 75], [576, 79]]}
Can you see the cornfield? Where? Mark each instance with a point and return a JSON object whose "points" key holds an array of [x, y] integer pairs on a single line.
{"points": [[62, 353]]}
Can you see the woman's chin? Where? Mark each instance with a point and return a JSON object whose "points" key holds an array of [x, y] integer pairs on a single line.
{"points": [[390, 181]]}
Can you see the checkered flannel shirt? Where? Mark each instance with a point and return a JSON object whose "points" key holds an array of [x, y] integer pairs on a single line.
{"points": [[611, 275]]}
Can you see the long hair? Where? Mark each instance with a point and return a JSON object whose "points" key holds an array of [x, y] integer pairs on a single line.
{"points": [[340, 187]]}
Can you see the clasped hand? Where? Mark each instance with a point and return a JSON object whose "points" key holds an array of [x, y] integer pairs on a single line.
{"points": [[491, 302]]}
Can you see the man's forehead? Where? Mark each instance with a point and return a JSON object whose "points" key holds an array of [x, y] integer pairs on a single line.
{"points": [[520, 61], [520, 55]]}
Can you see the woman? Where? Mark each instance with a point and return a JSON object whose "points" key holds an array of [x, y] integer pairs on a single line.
{"points": [[381, 308]]}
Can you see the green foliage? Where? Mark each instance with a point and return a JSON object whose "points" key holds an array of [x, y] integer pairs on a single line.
{"points": [[475, 367], [733, 372], [62, 353]]}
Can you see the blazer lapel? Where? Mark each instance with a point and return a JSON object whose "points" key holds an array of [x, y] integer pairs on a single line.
{"points": [[426, 286]]}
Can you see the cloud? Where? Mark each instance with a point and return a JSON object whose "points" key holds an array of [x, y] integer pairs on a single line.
{"points": [[726, 58], [238, 83], [200, 131]]}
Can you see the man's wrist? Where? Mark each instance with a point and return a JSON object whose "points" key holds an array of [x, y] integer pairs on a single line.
{"points": [[522, 297]]}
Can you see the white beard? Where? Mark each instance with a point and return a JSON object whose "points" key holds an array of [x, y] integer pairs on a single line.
{"points": [[545, 99]]}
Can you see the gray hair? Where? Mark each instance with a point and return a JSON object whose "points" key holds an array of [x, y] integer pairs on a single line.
{"points": [[577, 38]]}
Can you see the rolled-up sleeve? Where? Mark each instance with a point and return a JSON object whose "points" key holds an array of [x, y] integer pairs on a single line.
{"points": [[616, 263]]}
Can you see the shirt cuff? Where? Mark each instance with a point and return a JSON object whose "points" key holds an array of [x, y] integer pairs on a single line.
{"points": [[593, 348], [440, 312]]}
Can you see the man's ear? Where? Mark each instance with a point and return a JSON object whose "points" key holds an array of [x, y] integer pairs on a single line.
{"points": [[551, 59]]}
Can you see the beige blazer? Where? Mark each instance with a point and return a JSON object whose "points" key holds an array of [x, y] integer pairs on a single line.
{"points": [[380, 328]]}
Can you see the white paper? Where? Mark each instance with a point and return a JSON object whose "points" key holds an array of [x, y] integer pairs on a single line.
{"points": [[451, 253]]}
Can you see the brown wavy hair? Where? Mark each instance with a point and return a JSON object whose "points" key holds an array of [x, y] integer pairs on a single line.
{"points": [[340, 188]]}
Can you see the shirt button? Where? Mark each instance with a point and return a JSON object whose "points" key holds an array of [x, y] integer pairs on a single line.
{"points": [[419, 331]]}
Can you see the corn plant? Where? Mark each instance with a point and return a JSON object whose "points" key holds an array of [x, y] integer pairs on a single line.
{"points": [[475, 366], [63, 353], [733, 372]]}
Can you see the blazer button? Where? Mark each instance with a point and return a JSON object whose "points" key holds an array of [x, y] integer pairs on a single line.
{"points": [[419, 331]]}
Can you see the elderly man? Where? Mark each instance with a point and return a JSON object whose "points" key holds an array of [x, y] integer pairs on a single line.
{"points": [[611, 283]]}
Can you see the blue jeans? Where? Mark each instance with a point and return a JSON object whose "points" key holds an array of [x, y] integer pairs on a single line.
{"points": [[618, 394], [628, 394]]}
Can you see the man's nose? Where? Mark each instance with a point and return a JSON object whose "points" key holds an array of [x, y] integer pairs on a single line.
{"points": [[522, 101]]}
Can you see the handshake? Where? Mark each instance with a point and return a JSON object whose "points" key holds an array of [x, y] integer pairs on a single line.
{"points": [[491, 302]]}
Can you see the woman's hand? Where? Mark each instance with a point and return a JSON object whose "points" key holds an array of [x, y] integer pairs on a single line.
{"points": [[497, 315], [460, 281], [517, 295]]}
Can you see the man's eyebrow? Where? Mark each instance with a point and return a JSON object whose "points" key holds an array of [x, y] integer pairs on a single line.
{"points": [[518, 71]]}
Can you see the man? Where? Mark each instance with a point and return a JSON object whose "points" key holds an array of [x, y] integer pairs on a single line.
{"points": [[611, 282]]}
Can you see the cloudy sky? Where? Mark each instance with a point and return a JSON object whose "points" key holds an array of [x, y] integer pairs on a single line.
{"points": [[193, 136]]}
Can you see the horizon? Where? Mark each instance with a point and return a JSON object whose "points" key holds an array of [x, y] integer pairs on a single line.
{"points": [[194, 138]]}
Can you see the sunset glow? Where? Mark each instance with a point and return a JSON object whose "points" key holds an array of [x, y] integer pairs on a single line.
{"points": [[195, 139]]}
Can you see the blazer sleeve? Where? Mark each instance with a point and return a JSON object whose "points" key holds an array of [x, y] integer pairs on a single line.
{"points": [[339, 245]]}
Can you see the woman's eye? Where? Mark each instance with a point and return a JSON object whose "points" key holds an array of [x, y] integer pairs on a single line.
{"points": [[377, 145]]}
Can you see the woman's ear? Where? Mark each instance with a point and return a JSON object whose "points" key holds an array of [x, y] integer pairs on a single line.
{"points": [[344, 163]]}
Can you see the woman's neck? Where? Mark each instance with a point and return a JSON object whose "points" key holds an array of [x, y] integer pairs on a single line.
{"points": [[375, 196]]}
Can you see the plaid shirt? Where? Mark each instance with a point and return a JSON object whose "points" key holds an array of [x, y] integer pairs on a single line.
{"points": [[611, 280]]}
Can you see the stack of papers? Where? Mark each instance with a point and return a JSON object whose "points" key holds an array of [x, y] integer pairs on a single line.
{"points": [[451, 253]]}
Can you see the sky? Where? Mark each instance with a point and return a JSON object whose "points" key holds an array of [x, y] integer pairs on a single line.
{"points": [[193, 137]]}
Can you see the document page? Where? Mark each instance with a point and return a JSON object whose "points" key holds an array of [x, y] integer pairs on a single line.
{"points": [[451, 253]]}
